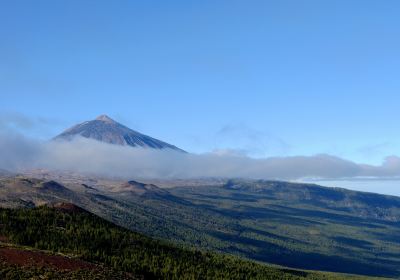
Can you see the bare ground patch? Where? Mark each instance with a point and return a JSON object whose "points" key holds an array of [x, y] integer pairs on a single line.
{"points": [[35, 258]]}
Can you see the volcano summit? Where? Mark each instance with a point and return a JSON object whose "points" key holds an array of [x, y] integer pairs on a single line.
{"points": [[105, 129]]}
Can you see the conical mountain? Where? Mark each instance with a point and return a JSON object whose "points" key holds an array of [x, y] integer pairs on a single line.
{"points": [[105, 129]]}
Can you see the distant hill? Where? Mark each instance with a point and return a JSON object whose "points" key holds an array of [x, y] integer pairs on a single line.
{"points": [[105, 129], [362, 204]]}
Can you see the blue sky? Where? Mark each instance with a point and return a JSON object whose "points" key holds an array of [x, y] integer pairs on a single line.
{"points": [[267, 78]]}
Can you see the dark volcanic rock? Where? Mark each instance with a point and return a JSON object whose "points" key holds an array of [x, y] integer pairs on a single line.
{"points": [[67, 207], [53, 186], [141, 188]]}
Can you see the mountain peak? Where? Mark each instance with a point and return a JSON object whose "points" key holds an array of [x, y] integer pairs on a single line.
{"points": [[105, 129], [105, 118]]}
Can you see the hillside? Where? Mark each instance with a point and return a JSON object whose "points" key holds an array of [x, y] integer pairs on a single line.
{"points": [[97, 249], [296, 225]]}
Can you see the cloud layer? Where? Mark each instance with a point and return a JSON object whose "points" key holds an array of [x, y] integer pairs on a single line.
{"points": [[89, 156]]}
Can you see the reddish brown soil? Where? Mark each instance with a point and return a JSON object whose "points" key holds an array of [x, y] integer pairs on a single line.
{"points": [[3, 238], [67, 207], [35, 258]]}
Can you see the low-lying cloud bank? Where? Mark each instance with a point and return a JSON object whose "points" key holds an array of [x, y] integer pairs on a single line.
{"points": [[83, 155]]}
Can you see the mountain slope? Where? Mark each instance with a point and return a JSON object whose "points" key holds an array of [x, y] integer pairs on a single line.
{"points": [[296, 225], [100, 244], [106, 130]]}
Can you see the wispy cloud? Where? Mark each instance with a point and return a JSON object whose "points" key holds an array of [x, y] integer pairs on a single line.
{"points": [[249, 140], [17, 122]]}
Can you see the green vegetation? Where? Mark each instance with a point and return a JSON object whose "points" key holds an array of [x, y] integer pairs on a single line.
{"points": [[295, 225], [301, 226], [88, 237]]}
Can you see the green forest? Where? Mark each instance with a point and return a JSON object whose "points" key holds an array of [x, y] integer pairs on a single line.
{"points": [[125, 254]]}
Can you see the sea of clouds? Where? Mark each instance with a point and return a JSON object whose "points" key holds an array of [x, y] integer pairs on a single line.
{"points": [[18, 153]]}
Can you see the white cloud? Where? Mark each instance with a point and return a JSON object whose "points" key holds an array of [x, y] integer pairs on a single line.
{"points": [[89, 156]]}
